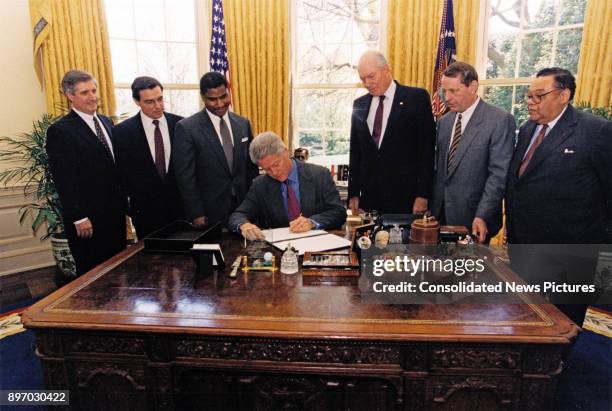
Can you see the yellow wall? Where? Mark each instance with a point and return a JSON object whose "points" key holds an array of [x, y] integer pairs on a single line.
{"points": [[21, 101]]}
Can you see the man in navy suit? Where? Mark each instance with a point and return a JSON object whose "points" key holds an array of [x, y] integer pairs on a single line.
{"points": [[392, 143], [211, 156], [559, 187], [143, 145], [88, 182]]}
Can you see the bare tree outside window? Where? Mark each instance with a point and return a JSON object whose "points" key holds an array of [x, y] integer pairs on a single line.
{"points": [[155, 38], [525, 36], [329, 38]]}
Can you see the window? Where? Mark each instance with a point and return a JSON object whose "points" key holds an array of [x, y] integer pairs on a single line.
{"points": [[329, 37], [156, 38], [524, 36]]}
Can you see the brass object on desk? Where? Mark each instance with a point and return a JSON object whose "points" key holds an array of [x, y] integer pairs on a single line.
{"points": [[258, 264], [425, 230]]}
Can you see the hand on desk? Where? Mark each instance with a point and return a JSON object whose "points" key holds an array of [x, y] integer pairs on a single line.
{"points": [[300, 225], [200, 221], [84, 229], [251, 232]]}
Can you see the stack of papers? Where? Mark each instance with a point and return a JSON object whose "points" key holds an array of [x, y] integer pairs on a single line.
{"points": [[313, 240]]}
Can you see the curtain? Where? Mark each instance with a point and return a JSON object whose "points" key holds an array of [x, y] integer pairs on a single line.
{"points": [[71, 35], [258, 51], [413, 27], [594, 82]]}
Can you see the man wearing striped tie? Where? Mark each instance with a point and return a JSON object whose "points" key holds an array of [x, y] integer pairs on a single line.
{"points": [[474, 144]]}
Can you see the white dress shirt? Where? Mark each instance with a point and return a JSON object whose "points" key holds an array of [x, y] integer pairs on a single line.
{"points": [[539, 127], [88, 118], [465, 118], [149, 128], [387, 104], [216, 120]]}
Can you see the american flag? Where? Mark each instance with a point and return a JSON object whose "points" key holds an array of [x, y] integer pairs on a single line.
{"points": [[446, 55], [218, 45]]}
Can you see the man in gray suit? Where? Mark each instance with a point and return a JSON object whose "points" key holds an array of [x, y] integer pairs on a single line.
{"points": [[474, 148], [211, 156], [299, 195]]}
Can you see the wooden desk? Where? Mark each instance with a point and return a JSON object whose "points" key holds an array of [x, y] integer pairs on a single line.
{"points": [[140, 333]]}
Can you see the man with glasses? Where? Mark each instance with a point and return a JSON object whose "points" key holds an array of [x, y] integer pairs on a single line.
{"points": [[559, 184], [294, 194], [143, 144]]}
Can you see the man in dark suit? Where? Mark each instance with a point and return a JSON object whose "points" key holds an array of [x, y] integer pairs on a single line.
{"points": [[143, 145], [392, 143], [559, 187], [211, 156], [82, 164], [292, 194], [474, 146]]}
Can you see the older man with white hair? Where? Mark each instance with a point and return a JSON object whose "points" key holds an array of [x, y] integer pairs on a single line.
{"points": [[291, 194]]}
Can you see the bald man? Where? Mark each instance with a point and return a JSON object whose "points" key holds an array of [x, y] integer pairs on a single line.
{"points": [[392, 143]]}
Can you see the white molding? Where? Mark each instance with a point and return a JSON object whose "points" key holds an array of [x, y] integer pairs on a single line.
{"points": [[26, 268]]}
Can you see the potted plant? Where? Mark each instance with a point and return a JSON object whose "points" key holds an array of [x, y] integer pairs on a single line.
{"points": [[29, 166]]}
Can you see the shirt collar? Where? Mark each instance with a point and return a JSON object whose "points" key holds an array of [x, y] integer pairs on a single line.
{"points": [[216, 118], [556, 119], [390, 90], [85, 116], [148, 120], [470, 110], [293, 174]]}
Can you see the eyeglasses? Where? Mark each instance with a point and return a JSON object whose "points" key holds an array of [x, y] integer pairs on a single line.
{"points": [[537, 98]]}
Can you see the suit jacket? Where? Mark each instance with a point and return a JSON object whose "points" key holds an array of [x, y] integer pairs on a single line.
{"points": [[390, 177], [564, 195], [154, 202], [89, 185], [319, 200], [475, 184], [203, 176]]}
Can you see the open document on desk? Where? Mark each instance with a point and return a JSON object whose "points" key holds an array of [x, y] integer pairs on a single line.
{"points": [[313, 240]]}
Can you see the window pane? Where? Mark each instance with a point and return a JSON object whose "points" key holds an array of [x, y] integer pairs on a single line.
{"points": [[504, 18], [338, 108], [309, 108], [152, 60], [125, 104], [182, 102], [568, 49], [520, 105], [339, 66], [572, 11], [180, 20], [500, 96], [313, 141], [149, 16], [123, 54], [311, 66], [501, 56], [539, 13], [535, 53], [119, 18], [182, 63], [337, 143]]}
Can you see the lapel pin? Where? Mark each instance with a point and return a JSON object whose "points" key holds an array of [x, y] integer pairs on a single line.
{"points": [[568, 151], [401, 103]]}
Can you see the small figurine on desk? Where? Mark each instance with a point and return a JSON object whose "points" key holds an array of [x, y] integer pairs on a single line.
{"points": [[395, 235], [289, 261]]}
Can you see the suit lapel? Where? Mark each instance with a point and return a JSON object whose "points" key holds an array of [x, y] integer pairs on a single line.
{"points": [[469, 134], [307, 190], [557, 136], [209, 133], [143, 147], [396, 109], [361, 113], [275, 203], [89, 136], [444, 130], [237, 135]]}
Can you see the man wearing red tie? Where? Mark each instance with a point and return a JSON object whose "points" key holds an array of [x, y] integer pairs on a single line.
{"points": [[143, 144], [82, 164], [292, 194], [559, 187]]}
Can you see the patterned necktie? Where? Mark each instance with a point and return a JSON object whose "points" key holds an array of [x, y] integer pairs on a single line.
{"points": [[376, 130], [293, 205], [101, 137], [160, 154], [228, 148], [532, 149], [455, 142]]}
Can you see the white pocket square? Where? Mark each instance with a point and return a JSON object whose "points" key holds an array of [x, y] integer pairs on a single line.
{"points": [[568, 151], [245, 139]]}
